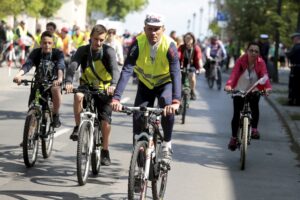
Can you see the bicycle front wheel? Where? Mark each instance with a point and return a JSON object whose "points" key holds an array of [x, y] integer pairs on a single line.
{"points": [[30, 139], [95, 156], [137, 185], [48, 131], [159, 183], [83, 155], [244, 142]]}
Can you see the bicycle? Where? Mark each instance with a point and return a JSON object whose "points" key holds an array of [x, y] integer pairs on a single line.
{"points": [[185, 94], [244, 135], [145, 164], [214, 74], [38, 123], [90, 137]]}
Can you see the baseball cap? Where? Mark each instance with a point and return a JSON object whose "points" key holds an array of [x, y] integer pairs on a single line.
{"points": [[64, 29], [154, 19], [296, 34]]}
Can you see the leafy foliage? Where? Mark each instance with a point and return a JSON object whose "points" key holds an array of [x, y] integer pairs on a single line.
{"points": [[35, 8], [115, 8], [250, 18]]}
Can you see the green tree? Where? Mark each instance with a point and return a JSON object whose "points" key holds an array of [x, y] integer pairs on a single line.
{"points": [[115, 8], [50, 7], [34, 8]]}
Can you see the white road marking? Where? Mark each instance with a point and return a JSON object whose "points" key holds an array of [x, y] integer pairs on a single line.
{"points": [[60, 132]]}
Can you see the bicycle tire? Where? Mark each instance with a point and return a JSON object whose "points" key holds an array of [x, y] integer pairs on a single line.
{"points": [[183, 114], [30, 139], [137, 187], [95, 156], [83, 155], [159, 183], [47, 143], [244, 142]]}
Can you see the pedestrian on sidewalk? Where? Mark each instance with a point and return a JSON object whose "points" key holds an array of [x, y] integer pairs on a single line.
{"points": [[294, 80]]}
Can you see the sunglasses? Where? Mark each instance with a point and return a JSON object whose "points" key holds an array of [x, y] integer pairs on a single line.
{"points": [[253, 51]]}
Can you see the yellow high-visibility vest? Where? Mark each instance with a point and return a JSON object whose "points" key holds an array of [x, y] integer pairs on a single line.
{"points": [[153, 72]]}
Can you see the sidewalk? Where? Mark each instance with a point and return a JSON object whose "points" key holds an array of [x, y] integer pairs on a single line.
{"points": [[290, 115]]}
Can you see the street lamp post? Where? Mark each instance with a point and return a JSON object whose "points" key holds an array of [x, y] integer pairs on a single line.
{"points": [[194, 22], [188, 25], [200, 21]]}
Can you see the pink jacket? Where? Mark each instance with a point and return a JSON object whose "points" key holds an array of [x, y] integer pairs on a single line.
{"points": [[241, 65]]}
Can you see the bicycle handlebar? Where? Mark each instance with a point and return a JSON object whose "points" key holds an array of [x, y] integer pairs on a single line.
{"points": [[129, 110], [87, 91]]}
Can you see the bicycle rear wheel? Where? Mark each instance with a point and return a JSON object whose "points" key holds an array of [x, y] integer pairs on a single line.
{"points": [[83, 155], [137, 186], [47, 130], [244, 142], [30, 139], [95, 156]]}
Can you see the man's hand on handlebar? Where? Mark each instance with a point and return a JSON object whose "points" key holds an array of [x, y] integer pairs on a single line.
{"points": [[116, 105], [110, 90], [17, 79], [171, 109]]}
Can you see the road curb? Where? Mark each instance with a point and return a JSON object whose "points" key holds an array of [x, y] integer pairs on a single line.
{"points": [[289, 124]]}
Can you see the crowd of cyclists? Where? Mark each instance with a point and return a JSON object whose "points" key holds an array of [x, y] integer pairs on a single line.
{"points": [[107, 61]]}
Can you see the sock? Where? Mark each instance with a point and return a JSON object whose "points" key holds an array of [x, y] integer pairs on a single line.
{"points": [[167, 145]]}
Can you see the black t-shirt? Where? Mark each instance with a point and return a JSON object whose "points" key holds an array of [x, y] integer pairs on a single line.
{"points": [[47, 64]]}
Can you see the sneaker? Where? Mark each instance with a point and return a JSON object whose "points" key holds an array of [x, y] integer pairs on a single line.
{"points": [[105, 159], [166, 155], [74, 135], [56, 122], [232, 144], [255, 134]]}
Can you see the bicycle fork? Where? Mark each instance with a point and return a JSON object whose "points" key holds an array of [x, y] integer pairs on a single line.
{"points": [[89, 117]]}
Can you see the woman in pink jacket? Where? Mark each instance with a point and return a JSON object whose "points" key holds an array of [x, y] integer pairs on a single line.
{"points": [[247, 70]]}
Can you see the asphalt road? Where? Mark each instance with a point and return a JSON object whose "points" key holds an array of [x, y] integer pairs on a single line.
{"points": [[202, 167]]}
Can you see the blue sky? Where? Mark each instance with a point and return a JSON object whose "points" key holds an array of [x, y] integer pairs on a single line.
{"points": [[176, 13]]}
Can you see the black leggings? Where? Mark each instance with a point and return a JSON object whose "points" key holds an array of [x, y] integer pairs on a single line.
{"points": [[238, 103]]}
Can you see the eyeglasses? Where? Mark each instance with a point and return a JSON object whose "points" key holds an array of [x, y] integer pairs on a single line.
{"points": [[253, 51]]}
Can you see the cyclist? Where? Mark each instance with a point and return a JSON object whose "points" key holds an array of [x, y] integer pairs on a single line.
{"points": [[215, 50], [247, 70], [189, 54], [114, 41], [49, 63], [154, 59], [22, 37], [99, 71], [51, 26]]}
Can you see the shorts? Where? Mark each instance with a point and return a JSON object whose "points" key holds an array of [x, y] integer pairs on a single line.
{"points": [[102, 103]]}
